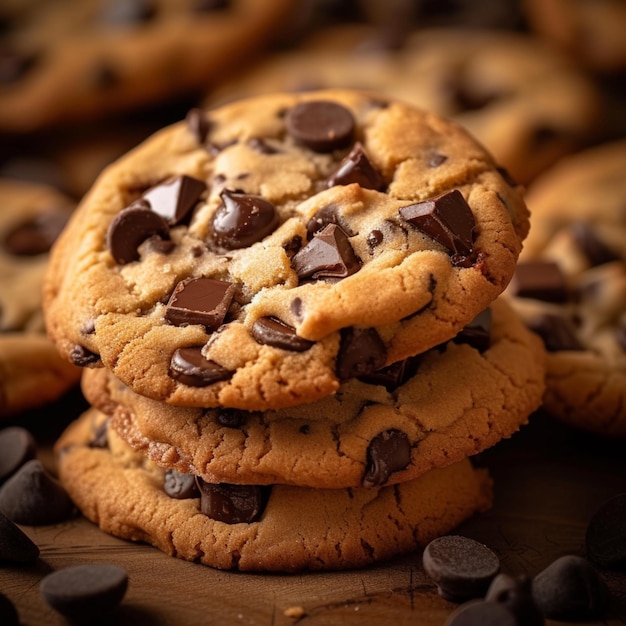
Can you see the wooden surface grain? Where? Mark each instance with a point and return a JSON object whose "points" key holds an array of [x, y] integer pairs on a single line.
{"points": [[549, 480]]}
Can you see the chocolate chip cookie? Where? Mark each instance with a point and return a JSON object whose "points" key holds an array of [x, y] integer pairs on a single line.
{"points": [[389, 427], [247, 527], [31, 370], [258, 255], [570, 286]]}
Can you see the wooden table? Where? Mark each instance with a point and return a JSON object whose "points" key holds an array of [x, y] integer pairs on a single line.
{"points": [[548, 482]]}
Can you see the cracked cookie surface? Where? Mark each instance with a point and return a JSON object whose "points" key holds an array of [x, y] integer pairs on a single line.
{"points": [[257, 255]]}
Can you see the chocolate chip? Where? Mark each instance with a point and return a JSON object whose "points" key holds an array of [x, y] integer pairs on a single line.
{"points": [[35, 235], [541, 280], [127, 12], [200, 301], [388, 452], [180, 486], [461, 567], [570, 589], [556, 331], [516, 595], [321, 125], [85, 592], [481, 613], [100, 437], [231, 504], [596, 251], [8, 612], [605, 538], [435, 159], [478, 332], [231, 418], [374, 239], [242, 220], [130, 228], [15, 545], [273, 332], [83, 357], [327, 215], [361, 352], [174, 198], [17, 446], [260, 145], [448, 219], [198, 124], [357, 168], [394, 375], [328, 255], [32, 496], [189, 367]]}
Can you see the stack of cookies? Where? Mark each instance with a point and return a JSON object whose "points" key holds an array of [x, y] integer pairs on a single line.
{"points": [[287, 311]]}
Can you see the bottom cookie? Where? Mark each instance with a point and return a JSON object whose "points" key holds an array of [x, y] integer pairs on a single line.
{"points": [[293, 528]]}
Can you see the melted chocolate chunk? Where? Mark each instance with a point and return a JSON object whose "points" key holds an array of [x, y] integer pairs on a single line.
{"points": [[596, 251], [198, 124], [242, 220], [232, 504], [388, 452], [478, 332], [394, 375], [35, 235], [448, 219], [17, 447], [273, 332], [374, 239], [557, 332], [357, 168], [361, 352], [130, 228], [231, 418], [328, 255], [327, 215], [189, 367], [541, 280], [83, 357], [174, 198], [322, 126], [180, 486], [200, 301]]}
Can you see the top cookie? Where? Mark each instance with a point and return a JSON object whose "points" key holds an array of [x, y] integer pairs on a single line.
{"points": [[256, 255]]}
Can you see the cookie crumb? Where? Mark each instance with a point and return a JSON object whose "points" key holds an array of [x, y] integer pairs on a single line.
{"points": [[294, 611]]}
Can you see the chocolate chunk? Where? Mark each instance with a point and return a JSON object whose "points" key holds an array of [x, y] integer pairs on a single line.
{"points": [[357, 168], [260, 145], [231, 504], [541, 280], [394, 375], [85, 592], [556, 331], [516, 595], [449, 220], [231, 418], [478, 332], [435, 159], [200, 301], [127, 12], [100, 437], [174, 198], [242, 220], [189, 367], [273, 332], [15, 545], [327, 215], [32, 496], [17, 446], [180, 486], [328, 255], [481, 613], [605, 538], [570, 589], [461, 567], [374, 239], [361, 352], [34, 236], [83, 357], [321, 125], [198, 124], [596, 251], [388, 452], [130, 228], [8, 612]]}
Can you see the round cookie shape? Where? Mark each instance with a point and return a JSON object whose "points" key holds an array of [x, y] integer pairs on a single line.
{"points": [[570, 286], [428, 412], [369, 276], [298, 528], [71, 60]]}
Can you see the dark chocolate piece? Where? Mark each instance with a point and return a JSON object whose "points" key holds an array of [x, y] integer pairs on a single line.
{"points": [[15, 545], [242, 220], [200, 301], [449, 220], [596, 251], [231, 418], [85, 592], [605, 538], [174, 198], [357, 168], [388, 452], [570, 589], [273, 332], [361, 352], [180, 486], [8, 612], [461, 567], [481, 613], [327, 215], [33, 496], [478, 332], [35, 235], [189, 367], [321, 125], [231, 504], [17, 446], [541, 280], [328, 255], [374, 239], [261, 145], [83, 357], [198, 124], [394, 375], [131, 227], [557, 332], [516, 595]]}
